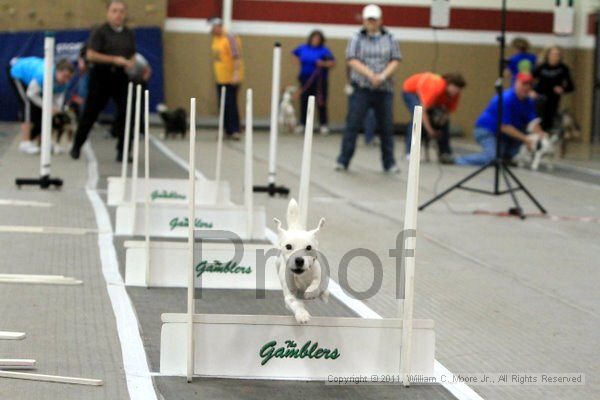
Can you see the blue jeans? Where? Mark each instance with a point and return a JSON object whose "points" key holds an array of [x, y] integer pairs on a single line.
{"points": [[412, 100], [370, 126], [487, 140], [358, 104]]}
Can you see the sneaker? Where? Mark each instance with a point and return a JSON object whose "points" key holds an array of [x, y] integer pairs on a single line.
{"points": [[235, 136], [299, 130], [324, 130], [56, 149], [392, 170], [341, 167], [446, 158], [29, 147]]}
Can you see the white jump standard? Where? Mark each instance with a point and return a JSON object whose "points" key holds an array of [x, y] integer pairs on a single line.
{"points": [[272, 189], [278, 347], [45, 181]]}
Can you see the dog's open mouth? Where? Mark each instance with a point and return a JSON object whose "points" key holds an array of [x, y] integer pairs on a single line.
{"points": [[297, 270]]}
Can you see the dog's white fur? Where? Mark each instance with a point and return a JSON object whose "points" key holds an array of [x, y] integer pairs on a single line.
{"points": [[287, 113], [300, 274], [544, 151]]}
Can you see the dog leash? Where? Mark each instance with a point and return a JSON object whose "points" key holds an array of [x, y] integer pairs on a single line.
{"points": [[316, 74], [540, 215]]}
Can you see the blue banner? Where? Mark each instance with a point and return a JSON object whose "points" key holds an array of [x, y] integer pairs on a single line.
{"points": [[68, 43]]}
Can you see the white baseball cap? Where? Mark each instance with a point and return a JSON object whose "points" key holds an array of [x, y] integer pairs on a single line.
{"points": [[371, 11]]}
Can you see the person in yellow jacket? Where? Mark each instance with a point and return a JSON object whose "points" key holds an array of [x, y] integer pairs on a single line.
{"points": [[229, 73]]}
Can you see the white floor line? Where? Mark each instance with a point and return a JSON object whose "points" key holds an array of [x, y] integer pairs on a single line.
{"points": [[135, 363], [59, 230], [459, 390], [22, 203], [172, 156]]}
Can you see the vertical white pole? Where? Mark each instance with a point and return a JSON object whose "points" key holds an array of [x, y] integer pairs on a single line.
{"points": [[248, 170], [227, 13], [147, 181], [306, 158], [191, 225], [220, 144], [47, 96], [410, 223], [274, 111], [136, 154], [127, 135]]}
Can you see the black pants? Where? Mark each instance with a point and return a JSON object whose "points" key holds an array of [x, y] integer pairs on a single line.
{"points": [[547, 109], [105, 83], [317, 88], [232, 116], [115, 132]]}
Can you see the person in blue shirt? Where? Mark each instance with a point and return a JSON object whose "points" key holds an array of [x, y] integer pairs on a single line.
{"points": [[314, 60], [27, 75], [518, 114], [522, 60]]}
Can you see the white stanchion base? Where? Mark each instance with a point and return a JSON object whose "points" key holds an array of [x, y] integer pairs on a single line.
{"points": [[169, 266], [238, 346], [170, 220], [168, 190]]}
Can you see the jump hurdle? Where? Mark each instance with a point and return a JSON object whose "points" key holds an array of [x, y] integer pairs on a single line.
{"points": [[168, 219], [277, 347], [123, 189], [163, 264]]}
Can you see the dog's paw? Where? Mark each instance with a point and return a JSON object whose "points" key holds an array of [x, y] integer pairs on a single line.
{"points": [[302, 316], [311, 293], [325, 296]]}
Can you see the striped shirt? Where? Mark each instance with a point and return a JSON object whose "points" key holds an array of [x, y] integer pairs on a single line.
{"points": [[376, 52]]}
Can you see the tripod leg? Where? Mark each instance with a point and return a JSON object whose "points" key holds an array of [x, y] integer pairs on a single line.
{"points": [[533, 199], [511, 191], [455, 186]]}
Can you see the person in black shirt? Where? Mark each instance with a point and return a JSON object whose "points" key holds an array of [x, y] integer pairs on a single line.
{"points": [[553, 79], [111, 53]]}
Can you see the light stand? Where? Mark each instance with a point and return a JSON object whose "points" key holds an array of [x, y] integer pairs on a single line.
{"points": [[499, 163]]}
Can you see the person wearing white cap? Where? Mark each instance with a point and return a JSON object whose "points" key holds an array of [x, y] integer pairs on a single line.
{"points": [[372, 55]]}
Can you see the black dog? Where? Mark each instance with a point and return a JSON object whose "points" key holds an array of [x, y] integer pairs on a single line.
{"points": [[61, 123], [438, 118], [175, 121]]}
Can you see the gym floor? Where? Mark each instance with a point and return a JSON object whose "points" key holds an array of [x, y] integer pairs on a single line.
{"points": [[506, 295]]}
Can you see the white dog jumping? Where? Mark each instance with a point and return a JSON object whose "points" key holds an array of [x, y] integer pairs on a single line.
{"points": [[299, 269]]}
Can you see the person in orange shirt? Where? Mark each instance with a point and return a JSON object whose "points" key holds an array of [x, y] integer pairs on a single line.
{"points": [[439, 96], [229, 73]]}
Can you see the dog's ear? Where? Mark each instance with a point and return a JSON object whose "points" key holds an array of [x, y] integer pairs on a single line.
{"points": [[280, 230], [319, 226]]}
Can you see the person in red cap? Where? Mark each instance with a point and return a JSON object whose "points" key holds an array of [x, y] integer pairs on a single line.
{"points": [[435, 93], [518, 116]]}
